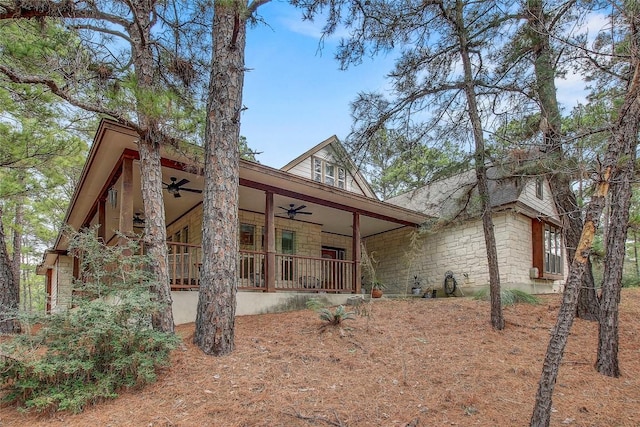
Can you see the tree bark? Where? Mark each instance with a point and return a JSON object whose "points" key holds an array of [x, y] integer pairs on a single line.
{"points": [[497, 319], [559, 179], [149, 145], [627, 124], [151, 137], [620, 202], [17, 243], [9, 294], [215, 319], [155, 230]]}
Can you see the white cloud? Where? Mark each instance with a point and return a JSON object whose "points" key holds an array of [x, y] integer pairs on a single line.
{"points": [[571, 90]]}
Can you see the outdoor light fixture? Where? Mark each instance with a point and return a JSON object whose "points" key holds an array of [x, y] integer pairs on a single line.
{"points": [[112, 195], [138, 221]]}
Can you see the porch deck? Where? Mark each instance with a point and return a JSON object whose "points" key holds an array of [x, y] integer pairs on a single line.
{"points": [[293, 273]]}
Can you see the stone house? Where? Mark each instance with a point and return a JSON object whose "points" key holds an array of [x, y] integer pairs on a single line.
{"points": [[527, 229], [320, 212]]}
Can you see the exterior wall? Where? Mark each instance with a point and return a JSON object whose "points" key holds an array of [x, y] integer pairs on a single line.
{"points": [[460, 249], [193, 220], [305, 169], [544, 206], [307, 241], [308, 236], [339, 241], [61, 285]]}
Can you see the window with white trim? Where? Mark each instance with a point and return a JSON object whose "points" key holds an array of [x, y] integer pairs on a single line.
{"points": [[328, 173], [547, 250], [552, 249]]}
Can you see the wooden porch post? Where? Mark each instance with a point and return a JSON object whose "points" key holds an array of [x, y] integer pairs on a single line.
{"points": [[102, 219], [270, 242], [126, 198], [356, 253]]}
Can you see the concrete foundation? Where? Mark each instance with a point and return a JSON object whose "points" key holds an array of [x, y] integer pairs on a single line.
{"points": [[185, 303]]}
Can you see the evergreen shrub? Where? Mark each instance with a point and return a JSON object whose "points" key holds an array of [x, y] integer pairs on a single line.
{"points": [[102, 344]]}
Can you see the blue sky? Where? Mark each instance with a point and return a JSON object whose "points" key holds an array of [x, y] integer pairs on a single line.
{"points": [[295, 94]]}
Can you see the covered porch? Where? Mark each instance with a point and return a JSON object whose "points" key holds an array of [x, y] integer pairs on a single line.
{"points": [[315, 249]]}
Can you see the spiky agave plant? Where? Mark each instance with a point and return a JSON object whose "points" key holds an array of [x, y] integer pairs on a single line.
{"points": [[336, 317]]}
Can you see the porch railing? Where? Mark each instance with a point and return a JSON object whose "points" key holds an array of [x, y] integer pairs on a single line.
{"points": [[293, 272], [184, 266], [302, 273]]}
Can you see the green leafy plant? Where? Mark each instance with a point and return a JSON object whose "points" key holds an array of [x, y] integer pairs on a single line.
{"points": [[377, 285], [509, 297], [102, 345], [336, 317]]}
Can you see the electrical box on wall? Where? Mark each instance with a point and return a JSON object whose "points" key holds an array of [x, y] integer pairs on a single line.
{"points": [[534, 273]]}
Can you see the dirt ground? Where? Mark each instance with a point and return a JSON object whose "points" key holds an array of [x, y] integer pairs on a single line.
{"points": [[416, 362]]}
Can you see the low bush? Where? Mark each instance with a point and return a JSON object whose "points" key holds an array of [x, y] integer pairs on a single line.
{"points": [[509, 296], [95, 349]]}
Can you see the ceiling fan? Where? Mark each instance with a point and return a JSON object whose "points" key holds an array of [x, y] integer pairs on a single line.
{"points": [[293, 211], [175, 187]]}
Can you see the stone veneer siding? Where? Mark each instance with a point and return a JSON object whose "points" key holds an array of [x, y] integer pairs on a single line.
{"points": [[62, 288], [461, 249], [309, 237]]}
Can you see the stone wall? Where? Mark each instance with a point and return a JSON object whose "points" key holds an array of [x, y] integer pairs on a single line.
{"points": [[308, 236], [62, 287], [338, 241], [458, 248]]}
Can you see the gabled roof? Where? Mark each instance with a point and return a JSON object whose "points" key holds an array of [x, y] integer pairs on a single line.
{"points": [[338, 148], [457, 196]]}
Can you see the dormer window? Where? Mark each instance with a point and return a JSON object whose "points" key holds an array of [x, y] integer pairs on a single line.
{"points": [[540, 188], [329, 173]]}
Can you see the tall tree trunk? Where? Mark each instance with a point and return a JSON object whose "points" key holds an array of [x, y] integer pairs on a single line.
{"points": [[17, 242], [155, 230], [635, 252], [619, 204], [215, 319], [627, 126], [149, 145], [497, 319], [9, 294], [559, 179], [607, 361], [144, 16]]}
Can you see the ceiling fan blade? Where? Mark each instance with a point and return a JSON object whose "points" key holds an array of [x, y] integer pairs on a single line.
{"points": [[299, 208], [286, 209], [304, 213], [182, 182], [193, 190]]}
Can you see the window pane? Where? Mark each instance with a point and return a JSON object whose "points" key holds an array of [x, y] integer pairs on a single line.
{"points": [[552, 250], [539, 188], [341, 177], [329, 174], [317, 170], [247, 232], [288, 247], [288, 242]]}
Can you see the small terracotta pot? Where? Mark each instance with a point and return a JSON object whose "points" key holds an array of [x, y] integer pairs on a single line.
{"points": [[376, 293]]}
